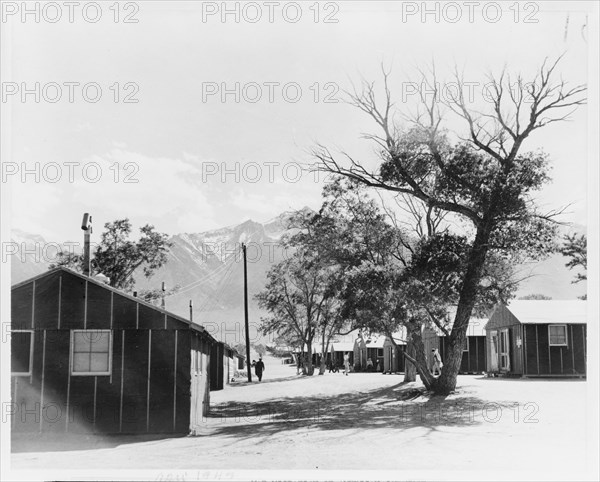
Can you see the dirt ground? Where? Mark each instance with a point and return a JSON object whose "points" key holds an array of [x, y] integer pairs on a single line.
{"points": [[365, 422]]}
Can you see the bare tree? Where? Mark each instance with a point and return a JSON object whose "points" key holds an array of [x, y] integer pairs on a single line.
{"points": [[486, 178]]}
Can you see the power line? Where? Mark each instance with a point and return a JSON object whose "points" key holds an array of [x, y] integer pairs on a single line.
{"points": [[205, 278], [225, 283]]}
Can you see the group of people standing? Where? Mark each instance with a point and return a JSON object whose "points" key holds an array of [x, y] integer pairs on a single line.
{"points": [[334, 368], [436, 364], [259, 366]]}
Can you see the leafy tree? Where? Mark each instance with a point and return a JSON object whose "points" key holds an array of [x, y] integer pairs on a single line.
{"points": [[394, 276], [575, 247], [240, 348], [299, 297], [486, 180], [68, 259], [351, 231], [260, 349], [117, 257]]}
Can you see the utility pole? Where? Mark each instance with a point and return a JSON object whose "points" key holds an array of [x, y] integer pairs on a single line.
{"points": [[246, 315]]}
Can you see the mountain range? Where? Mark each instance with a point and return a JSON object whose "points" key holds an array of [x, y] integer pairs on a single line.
{"points": [[207, 267]]}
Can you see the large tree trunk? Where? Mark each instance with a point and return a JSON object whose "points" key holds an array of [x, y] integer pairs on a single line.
{"points": [[410, 371], [310, 369], [323, 361], [446, 383], [419, 361]]}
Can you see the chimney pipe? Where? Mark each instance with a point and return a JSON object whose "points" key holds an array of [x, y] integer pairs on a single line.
{"points": [[191, 310], [86, 225]]}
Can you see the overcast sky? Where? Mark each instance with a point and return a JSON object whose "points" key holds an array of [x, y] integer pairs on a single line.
{"points": [[181, 134]]}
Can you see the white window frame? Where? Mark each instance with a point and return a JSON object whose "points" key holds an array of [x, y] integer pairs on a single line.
{"points": [[29, 373], [72, 348], [466, 344], [566, 343]]}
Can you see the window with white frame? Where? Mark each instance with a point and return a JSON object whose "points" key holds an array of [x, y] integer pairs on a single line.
{"points": [[466, 344], [91, 352], [21, 347], [557, 335]]}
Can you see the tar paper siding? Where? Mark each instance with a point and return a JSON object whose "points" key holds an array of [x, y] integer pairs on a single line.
{"points": [[474, 359], [543, 359], [530, 351], [393, 357], [217, 354], [148, 389]]}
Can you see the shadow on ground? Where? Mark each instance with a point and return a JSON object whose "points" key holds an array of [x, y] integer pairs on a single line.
{"points": [[33, 442], [243, 382], [401, 406]]}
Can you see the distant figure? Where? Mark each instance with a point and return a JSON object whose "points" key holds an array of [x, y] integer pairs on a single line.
{"points": [[253, 363], [369, 365], [437, 363], [378, 366], [259, 368], [346, 363]]}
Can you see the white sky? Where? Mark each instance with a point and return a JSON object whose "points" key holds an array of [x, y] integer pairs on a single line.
{"points": [[174, 137]]}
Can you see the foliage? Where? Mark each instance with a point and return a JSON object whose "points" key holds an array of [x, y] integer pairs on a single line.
{"points": [[117, 257], [299, 296], [575, 247], [486, 180], [260, 349], [240, 348]]}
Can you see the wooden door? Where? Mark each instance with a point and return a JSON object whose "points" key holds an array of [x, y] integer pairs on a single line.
{"points": [[504, 351], [494, 351]]}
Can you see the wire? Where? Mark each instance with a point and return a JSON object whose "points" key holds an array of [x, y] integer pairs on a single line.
{"points": [[225, 283], [205, 278]]}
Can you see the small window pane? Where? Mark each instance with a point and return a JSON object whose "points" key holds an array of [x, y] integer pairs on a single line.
{"points": [[99, 362], [81, 362], [82, 342], [100, 342]]}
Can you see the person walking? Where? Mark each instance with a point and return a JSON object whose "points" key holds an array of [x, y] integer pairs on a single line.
{"points": [[346, 363], [259, 368]]}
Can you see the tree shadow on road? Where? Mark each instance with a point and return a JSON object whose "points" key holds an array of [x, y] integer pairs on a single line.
{"points": [[401, 406]]}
